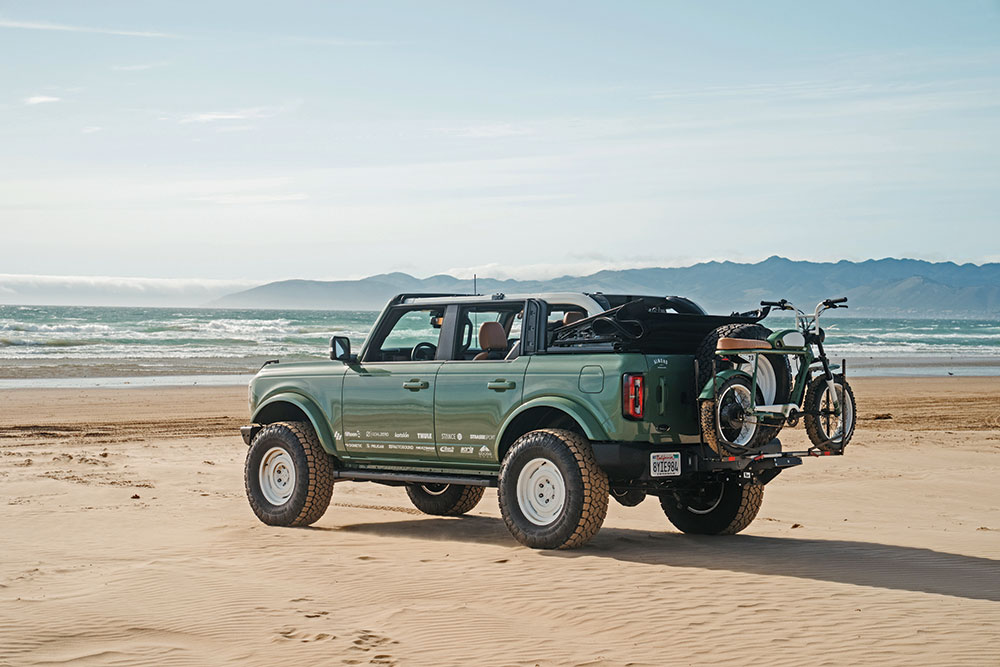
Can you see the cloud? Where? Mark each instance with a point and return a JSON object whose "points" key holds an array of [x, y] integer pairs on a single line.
{"points": [[39, 25], [41, 99], [140, 67], [254, 199], [491, 131], [253, 113], [91, 129]]}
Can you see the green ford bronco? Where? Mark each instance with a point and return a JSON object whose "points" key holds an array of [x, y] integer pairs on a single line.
{"points": [[559, 400]]}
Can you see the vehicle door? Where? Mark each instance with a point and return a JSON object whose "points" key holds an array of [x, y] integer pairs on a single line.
{"points": [[389, 394], [477, 389]]}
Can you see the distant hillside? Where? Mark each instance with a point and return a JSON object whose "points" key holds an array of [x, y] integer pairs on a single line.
{"points": [[901, 287]]}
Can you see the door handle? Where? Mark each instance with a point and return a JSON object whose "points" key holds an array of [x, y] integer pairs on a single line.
{"points": [[416, 384], [500, 385]]}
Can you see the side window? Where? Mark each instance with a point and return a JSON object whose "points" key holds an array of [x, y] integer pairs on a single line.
{"points": [[504, 330], [413, 337]]}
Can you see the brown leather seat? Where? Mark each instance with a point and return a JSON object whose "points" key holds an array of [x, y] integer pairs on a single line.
{"points": [[742, 344], [492, 340], [572, 316]]}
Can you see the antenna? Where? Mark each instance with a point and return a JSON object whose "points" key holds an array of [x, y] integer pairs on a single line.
{"points": [[474, 290]]}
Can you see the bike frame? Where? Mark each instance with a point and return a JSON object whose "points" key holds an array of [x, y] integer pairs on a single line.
{"points": [[808, 327]]}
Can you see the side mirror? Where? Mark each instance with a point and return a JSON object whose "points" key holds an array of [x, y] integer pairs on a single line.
{"points": [[340, 349]]}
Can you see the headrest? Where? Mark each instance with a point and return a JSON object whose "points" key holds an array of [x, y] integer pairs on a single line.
{"points": [[492, 336], [572, 316]]}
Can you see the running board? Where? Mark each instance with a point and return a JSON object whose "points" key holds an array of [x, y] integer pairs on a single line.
{"points": [[411, 477]]}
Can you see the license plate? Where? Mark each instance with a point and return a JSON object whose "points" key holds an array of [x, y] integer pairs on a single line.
{"points": [[665, 464]]}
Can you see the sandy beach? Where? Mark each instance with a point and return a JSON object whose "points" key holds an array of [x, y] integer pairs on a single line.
{"points": [[127, 539]]}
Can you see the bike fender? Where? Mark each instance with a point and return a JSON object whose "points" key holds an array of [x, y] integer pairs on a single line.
{"points": [[312, 412], [708, 392]]}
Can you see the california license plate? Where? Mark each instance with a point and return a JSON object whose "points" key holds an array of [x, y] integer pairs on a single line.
{"points": [[665, 464]]}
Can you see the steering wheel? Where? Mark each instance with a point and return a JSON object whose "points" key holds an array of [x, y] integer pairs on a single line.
{"points": [[419, 355]]}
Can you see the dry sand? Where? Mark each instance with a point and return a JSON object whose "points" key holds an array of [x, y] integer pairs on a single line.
{"points": [[126, 539]]}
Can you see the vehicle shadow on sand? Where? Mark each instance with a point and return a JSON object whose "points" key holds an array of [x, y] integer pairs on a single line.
{"points": [[840, 561]]}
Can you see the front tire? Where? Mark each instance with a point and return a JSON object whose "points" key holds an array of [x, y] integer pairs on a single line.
{"points": [[444, 499], [288, 475], [714, 507], [552, 493], [828, 431]]}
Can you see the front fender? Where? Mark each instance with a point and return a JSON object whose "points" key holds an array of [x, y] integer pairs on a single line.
{"points": [[312, 412], [584, 417], [708, 392]]}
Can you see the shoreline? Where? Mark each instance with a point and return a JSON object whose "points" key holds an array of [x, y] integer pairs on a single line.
{"points": [[78, 374]]}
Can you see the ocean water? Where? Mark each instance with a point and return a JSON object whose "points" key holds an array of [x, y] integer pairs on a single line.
{"points": [[53, 341]]}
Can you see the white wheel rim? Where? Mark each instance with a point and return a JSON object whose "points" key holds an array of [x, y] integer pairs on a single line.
{"points": [[434, 489], [742, 396], [541, 492], [277, 476], [767, 381]]}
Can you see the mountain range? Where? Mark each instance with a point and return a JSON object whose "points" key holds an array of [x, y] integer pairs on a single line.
{"points": [[896, 287]]}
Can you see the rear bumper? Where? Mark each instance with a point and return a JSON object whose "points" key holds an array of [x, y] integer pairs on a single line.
{"points": [[631, 461]]}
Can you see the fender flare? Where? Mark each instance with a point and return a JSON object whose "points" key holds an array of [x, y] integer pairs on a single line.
{"points": [[708, 392], [312, 412], [592, 427]]}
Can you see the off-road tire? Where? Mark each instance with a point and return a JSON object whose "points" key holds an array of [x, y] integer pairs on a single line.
{"points": [[814, 427], [710, 427], [451, 500], [736, 509], [313, 475], [705, 356], [585, 502]]}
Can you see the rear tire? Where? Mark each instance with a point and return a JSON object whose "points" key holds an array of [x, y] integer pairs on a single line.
{"points": [[552, 493], [444, 499], [727, 429], [716, 507], [288, 475]]}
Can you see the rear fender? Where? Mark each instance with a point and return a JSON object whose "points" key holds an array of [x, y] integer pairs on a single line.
{"points": [[588, 422], [312, 412], [713, 384]]}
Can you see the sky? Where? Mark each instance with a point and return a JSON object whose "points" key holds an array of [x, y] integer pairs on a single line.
{"points": [[245, 142]]}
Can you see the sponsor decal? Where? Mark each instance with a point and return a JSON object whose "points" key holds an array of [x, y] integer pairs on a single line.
{"points": [[449, 436], [425, 436], [401, 447], [484, 452], [352, 434], [446, 449], [481, 436], [355, 445], [459, 436], [375, 445], [424, 448], [405, 436], [467, 450], [336, 435], [660, 361], [376, 434]]}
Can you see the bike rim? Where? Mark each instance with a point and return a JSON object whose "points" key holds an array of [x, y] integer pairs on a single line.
{"points": [[733, 414], [839, 424]]}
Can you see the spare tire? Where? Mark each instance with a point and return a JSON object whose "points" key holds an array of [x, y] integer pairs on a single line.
{"points": [[774, 377]]}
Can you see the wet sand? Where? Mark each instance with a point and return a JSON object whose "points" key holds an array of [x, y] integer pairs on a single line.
{"points": [[127, 539]]}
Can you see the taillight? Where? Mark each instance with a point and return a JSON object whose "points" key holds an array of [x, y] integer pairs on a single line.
{"points": [[633, 396]]}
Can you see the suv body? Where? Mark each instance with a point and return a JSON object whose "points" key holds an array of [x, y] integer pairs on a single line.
{"points": [[425, 404]]}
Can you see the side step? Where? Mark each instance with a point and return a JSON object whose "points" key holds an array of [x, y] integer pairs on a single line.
{"points": [[412, 477]]}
